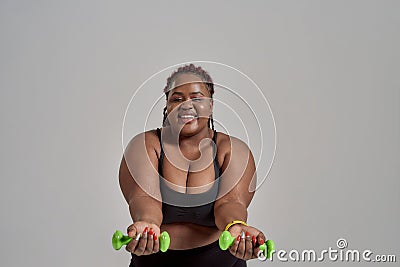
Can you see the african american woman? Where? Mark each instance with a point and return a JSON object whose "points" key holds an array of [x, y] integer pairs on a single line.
{"points": [[189, 180]]}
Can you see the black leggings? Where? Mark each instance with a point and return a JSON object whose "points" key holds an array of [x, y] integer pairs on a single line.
{"points": [[207, 256]]}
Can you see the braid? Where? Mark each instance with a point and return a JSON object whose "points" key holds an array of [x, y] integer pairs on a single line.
{"points": [[198, 71], [164, 122]]}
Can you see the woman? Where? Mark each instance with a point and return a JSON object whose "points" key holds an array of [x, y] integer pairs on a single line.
{"points": [[189, 181]]}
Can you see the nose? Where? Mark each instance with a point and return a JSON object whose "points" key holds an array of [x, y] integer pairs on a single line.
{"points": [[187, 105]]}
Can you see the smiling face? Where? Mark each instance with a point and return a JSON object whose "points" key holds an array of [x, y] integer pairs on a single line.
{"points": [[189, 104]]}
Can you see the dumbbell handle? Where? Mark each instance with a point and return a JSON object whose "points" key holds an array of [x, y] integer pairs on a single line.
{"points": [[119, 240], [226, 240]]}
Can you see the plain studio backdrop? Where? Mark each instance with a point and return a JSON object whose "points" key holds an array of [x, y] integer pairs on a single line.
{"points": [[329, 69]]}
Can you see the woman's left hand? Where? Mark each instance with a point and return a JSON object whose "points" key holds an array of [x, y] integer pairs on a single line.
{"points": [[248, 247]]}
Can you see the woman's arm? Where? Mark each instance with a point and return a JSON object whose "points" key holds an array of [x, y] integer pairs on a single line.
{"points": [[139, 182], [237, 184]]}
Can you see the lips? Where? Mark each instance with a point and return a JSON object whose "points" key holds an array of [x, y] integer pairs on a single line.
{"points": [[185, 118]]}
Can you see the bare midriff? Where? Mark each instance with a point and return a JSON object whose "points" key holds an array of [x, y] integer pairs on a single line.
{"points": [[190, 235]]}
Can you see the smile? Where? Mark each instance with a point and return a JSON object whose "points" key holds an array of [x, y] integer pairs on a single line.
{"points": [[187, 118]]}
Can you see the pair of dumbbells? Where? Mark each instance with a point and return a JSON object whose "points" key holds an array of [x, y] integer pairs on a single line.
{"points": [[225, 241]]}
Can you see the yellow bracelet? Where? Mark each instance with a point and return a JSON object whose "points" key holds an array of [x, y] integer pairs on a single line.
{"points": [[233, 223]]}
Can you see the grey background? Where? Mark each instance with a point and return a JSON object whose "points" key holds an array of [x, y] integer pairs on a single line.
{"points": [[68, 69]]}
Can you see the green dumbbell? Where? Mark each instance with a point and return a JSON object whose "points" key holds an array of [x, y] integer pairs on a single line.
{"points": [[118, 240], [226, 240]]}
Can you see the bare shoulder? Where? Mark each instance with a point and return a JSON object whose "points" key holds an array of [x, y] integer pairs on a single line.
{"points": [[226, 142], [228, 145], [147, 139]]}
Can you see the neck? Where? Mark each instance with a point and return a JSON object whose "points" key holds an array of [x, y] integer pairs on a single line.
{"points": [[187, 140]]}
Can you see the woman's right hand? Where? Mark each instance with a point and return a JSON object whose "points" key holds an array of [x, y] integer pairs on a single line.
{"points": [[148, 242]]}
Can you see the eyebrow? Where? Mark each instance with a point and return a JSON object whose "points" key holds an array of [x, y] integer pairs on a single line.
{"points": [[193, 93]]}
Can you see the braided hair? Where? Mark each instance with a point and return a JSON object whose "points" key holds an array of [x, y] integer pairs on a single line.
{"points": [[191, 69]]}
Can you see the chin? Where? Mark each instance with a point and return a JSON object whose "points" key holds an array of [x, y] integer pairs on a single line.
{"points": [[191, 128]]}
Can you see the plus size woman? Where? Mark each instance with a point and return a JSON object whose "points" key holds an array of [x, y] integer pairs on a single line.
{"points": [[189, 180]]}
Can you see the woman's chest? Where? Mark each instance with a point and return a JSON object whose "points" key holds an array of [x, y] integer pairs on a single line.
{"points": [[190, 171]]}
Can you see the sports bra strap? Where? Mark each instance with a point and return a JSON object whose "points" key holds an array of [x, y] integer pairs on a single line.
{"points": [[215, 137], [161, 159], [159, 136]]}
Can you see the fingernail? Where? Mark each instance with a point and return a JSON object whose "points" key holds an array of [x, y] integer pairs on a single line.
{"points": [[155, 237], [253, 240], [261, 241], [151, 231], [145, 230], [247, 234], [138, 237], [238, 238], [243, 235]]}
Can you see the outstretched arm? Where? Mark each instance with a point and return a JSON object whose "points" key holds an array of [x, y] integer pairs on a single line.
{"points": [[139, 183], [237, 188]]}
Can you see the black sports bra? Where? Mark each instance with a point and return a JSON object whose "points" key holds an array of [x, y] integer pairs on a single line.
{"points": [[182, 207]]}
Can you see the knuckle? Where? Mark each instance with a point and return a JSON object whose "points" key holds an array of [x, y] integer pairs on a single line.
{"points": [[139, 250], [129, 247]]}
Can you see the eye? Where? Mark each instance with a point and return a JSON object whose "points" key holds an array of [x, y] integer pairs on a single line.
{"points": [[176, 99], [197, 99]]}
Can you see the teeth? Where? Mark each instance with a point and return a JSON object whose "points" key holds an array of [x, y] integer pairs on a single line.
{"points": [[187, 117]]}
